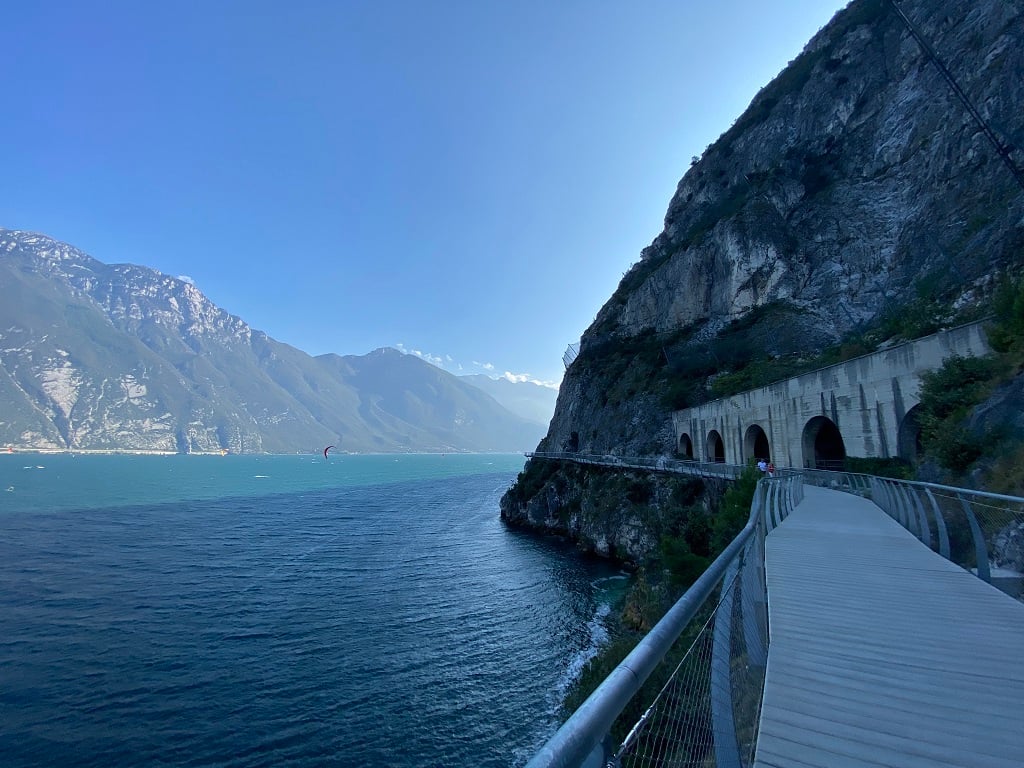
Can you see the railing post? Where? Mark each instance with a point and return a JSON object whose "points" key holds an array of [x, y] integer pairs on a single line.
{"points": [[885, 498], [913, 524], [753, 601], [940, 523], [901, 509], [773, 504], [980, 548], [723, 724], [922, 518], [880, 496]]}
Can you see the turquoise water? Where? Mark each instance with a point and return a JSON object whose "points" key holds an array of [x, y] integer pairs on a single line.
{"points": [[46, 482], [282, 610]]}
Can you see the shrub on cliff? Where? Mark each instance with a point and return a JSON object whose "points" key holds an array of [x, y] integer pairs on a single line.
{"points": [[947, 396], [532, 479], [1006, 334], [734, 512]]}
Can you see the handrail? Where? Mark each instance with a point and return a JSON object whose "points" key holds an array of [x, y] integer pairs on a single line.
{"points": [[587, 726], [658, 464]]}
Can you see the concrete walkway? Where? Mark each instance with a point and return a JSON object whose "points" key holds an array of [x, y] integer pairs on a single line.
{"points": [[883, 653]]}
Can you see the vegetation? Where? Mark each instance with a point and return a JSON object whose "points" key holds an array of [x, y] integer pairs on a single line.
{"points": [[947, 396], [691, 538], [1006, 333], [532, 479], [894, 467], [950, 393]]}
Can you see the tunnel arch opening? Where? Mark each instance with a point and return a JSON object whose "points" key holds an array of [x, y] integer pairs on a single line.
{"points": [[685, 447], [715, 447], [755, 444], [908, 438], [823, 444]]}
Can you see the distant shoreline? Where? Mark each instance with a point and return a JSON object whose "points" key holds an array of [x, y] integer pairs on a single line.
{"points": [[14, 451], [102, 451]]}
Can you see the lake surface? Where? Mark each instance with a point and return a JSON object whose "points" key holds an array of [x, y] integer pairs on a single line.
{"points": [[282, 610]]}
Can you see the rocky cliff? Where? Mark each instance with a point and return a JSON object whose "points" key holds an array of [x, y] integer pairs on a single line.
{"points": [[856, 186]]}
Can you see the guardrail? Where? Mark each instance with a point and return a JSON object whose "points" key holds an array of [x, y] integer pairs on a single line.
{"points": [[700, 690], [658, 464], [979, 531]]}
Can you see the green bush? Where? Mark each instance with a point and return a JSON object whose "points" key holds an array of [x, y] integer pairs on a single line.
{"points": [[683, 566], [947, 396], [532, 479], [891, 467], [734, 511], [1006, 334]]}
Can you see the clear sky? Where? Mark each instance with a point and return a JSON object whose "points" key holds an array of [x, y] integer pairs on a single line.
{"points": [[466, 179]]}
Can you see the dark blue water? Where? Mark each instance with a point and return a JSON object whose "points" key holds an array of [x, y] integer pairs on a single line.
{"points": [[374, 621]]}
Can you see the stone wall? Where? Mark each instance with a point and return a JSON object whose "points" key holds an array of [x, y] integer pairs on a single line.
{"points": [[868, 401]]}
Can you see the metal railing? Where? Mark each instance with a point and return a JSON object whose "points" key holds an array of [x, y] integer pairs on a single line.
{"points": [[979, 531], [716, 634], [707, 711], [656, 464]]}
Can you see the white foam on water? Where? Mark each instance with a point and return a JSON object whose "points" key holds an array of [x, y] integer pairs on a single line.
{"points": [[597, 637]]}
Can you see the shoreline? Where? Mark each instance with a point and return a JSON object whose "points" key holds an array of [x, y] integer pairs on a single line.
{"points": [[14, 451]]}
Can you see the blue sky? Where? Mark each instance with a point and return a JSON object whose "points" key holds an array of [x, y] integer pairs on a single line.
{"points": [[468, 180]]}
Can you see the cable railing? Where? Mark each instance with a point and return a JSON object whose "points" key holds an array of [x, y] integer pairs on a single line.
{"points": [[979, 531], [716, 635]]}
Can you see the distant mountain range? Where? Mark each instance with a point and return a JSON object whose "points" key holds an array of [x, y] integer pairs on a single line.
{"points": [[534, 402], [121, 357]]}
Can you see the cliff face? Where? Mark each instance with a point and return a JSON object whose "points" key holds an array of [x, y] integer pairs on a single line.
{"points": [[855, 183], [612, 513], [855, 186]]}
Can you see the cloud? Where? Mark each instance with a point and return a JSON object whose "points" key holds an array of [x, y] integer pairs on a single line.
{"points": [[450, 364], [432, 359], [522, 378], [435, 360]]}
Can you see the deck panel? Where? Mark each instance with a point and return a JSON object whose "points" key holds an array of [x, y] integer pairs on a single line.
{"points": [[882, 652]]}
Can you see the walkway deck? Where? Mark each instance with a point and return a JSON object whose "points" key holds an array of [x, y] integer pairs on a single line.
{"points": [[883, 653]]}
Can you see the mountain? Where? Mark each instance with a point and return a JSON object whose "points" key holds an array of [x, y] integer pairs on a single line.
{"points": [[122, 357], [533, 402]]}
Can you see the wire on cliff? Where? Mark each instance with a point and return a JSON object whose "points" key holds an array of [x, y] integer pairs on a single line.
{"points": [[1003, 150]]}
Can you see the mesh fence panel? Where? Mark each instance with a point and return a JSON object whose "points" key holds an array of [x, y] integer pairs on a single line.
{"points": [[707, 712]]}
